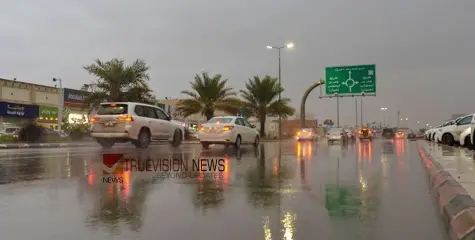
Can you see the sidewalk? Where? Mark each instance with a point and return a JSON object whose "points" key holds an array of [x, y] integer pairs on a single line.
{"points": [[451, 174]]}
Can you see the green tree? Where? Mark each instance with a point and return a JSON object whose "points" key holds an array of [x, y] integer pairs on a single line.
{"points": [[117, 81], [261, 99], [209, 94]]}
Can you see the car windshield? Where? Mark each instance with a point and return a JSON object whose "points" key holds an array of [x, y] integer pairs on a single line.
{"points": [[10, 130], [335, 130], [112, 109], [219, 120], [388, 130]]}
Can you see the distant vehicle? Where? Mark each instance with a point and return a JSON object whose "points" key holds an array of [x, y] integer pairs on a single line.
{"points": [[351, 134], [411, 135], [136, 122], [228, 130], [388, 133], [365, 133], [306, 134], [11, 131], [337, 134], [400, 134]]}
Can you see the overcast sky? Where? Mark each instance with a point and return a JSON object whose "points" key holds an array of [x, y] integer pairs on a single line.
{"points": [[424, 50]]}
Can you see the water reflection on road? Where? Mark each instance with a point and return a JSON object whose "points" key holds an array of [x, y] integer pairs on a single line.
{"points": [[290, 190]]}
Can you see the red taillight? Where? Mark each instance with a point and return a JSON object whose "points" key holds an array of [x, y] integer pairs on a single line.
{"points": [[127, 118], [202, 128], [227, 128], [95, 119]]}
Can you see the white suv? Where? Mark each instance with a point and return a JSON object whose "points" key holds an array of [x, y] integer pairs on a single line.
{"points": [[136, 122]]}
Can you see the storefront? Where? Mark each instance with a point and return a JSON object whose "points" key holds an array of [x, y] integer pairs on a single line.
{"points": [[74, 106], [48, 116], [14, 114]]}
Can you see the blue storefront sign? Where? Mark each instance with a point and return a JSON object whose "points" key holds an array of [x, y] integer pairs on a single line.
{"points": [[18, 110], [74, 96]]}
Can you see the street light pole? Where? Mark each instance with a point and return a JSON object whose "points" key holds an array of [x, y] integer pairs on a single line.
{"points": [[383, 110], [289, 45], [61, 102]]}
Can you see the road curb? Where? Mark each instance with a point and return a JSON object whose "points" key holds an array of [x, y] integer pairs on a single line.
{"points": [[456, 207]]}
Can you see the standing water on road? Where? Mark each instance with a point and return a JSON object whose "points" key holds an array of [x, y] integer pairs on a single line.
{"points": [[289, 190]]}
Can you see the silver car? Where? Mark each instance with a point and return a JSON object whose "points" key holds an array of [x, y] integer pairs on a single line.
{"points": [[337, 134], [136, 122]]}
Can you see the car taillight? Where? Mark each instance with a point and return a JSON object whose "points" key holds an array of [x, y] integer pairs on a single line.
{"points": [[227, 128], [299, 133], [127, 118], [95, 119], [202, 128]]}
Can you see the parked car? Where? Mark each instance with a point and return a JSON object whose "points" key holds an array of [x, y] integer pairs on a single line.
{"points": [[337, 134], [228, 130], [365, 133], [136, 122], [435, 131], [465, 140], [306, 134], [388, 133], [450, 134], [411, 135]]}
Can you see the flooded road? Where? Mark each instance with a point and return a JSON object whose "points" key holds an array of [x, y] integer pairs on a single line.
{"points": [[368, 190]]}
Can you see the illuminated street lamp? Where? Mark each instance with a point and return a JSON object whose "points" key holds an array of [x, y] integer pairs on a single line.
{"points": [[289, 46]]}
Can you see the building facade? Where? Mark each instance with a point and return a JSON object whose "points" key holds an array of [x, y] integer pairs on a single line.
{"points": [[74, 105], [22, 102]]}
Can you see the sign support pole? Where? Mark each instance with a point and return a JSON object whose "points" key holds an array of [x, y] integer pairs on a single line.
{"points": [[337, 110], [361, 110], [356, 112]]}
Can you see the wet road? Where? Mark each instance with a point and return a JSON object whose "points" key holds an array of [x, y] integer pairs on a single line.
{"points": [[369, 190]]}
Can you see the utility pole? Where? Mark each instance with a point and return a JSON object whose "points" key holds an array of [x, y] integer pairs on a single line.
{"points": [[398, 112]]}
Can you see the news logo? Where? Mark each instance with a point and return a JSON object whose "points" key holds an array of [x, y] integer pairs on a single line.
{"points": [[113, 163]]}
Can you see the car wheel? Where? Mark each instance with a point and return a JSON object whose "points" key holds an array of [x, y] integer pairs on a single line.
{"points": [[105, 143], [448, 139], [205, 145], [468, 142], [144, 139], [256, 141], [177, 138], [237, 143]]}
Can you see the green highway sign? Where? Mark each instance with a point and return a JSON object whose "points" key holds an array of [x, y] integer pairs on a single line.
{"points": [[347, 80]]}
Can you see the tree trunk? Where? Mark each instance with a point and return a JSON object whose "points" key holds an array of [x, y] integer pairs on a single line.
{"points": [[262, 120], [209, 115]]}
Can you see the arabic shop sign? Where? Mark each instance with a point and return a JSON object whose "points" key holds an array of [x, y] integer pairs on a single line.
{"points": [[18, 110], [74, 96], [48, 113]]}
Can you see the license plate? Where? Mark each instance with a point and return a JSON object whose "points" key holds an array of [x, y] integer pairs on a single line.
{"points": [[109, 124]]}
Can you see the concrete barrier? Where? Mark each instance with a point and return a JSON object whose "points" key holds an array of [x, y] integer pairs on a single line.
{"points": [[456, 206]]}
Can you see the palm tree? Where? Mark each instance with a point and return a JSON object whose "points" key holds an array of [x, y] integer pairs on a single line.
{"points": [[210, 94], [261, 100], [117, 81]]}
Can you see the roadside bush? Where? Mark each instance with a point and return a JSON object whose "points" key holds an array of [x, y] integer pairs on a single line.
{"points": [[78, 129], [8, 139], [31, 133]]}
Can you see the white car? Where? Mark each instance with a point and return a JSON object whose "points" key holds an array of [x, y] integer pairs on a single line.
{"points": [[436, 131], [465, 136], [450, 134], [337, 134], [306, 134], [228, 130], [136, 122]]}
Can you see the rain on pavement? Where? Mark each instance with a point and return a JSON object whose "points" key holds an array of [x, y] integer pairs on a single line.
{"points": [[362, 190]]}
